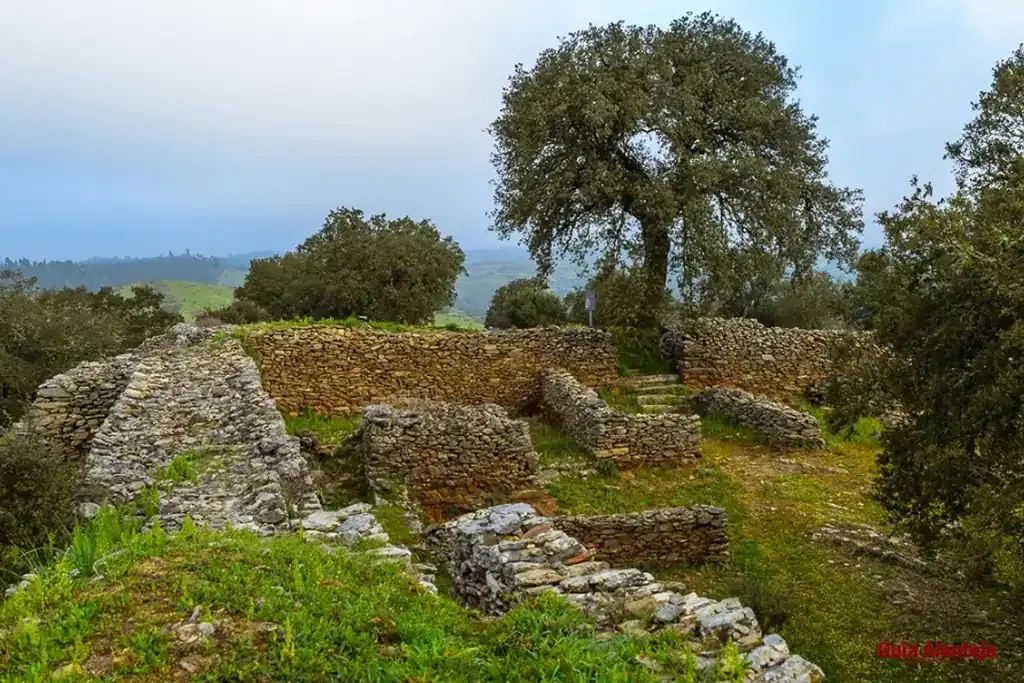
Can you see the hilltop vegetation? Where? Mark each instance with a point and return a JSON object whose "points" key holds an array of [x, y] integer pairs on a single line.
{"points": [[188, 299]]}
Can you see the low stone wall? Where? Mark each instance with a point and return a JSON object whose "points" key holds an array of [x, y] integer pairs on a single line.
{"points": [[781, 425], [190, 392], [446, 454], [338, 370], [69, 408], [741, 352], [631, 440], [666, 536], [499, 556]]}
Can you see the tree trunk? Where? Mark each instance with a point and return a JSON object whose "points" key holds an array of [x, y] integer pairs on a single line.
{"points": [[656, 252]]}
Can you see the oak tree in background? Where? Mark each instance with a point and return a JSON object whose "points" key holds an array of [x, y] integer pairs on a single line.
{"points": [[619, 292], [946, 293], [397, 270], [525, 302], [679, 146]]}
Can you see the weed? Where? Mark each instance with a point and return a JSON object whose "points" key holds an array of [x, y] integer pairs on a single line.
{"points": [[184, 467]]}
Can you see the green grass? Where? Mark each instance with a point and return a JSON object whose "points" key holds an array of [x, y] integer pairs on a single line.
{"points": [[188, 298], [831, 607], [553, 446], [329, 430], [457, 318], [281, 609], [183, 467]]}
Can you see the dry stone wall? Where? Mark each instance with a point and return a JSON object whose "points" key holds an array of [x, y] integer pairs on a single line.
{"points": [[630, 440], [743, 353], [70, 407], [338, 370], [781, 425], [666, 536], [446, 454], [499, 556]]}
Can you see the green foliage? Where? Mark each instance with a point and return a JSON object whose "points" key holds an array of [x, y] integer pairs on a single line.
{"points": [[285, 610], [36, 504], [630, 138], [947, 296], [814, 301], [183, 467], [619, 293], [398, 270], [189, 299], [526, 302], [328, 429], [238, 312], [46, 332], [640, 351]]}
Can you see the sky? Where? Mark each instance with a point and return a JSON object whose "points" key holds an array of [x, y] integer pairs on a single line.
{"points": [[226, 126]]}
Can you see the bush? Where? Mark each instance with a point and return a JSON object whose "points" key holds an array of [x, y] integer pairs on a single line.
{"points": [[36, 504], [241, 312], [526, 302], [640, 351], [619, 299]]}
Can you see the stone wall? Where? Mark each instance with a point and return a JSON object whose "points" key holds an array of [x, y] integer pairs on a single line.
{"points": [[70, 407], [781, 425], [499, 556], [191, 393], [631, 440], [338, 370], [444, 453], [741, 352], [666, 536]]}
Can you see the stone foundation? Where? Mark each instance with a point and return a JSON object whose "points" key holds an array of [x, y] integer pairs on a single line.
{"points": [[630, 440], [781, 425], [668, 536], [500, 556], [446, 454]]}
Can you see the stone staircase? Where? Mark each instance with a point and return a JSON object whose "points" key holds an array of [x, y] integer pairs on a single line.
{"points": [[658, 393]]}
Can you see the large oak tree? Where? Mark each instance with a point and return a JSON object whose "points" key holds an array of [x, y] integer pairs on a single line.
{"points": [[680, 147]]}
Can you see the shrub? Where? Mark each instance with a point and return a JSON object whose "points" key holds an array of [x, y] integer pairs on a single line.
{"points": [[640, 351], [36, 506], [619, 300], [241, 312], [526, 302]]}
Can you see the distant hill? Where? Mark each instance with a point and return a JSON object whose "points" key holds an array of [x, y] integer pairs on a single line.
{"points": [[188, 298]]}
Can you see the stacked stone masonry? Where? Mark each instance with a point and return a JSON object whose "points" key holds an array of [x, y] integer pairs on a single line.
{"points": [[339, 370], [446, 454], [743, 353], [781, 425], [69, 408], [630, 440], [666, 536], [499, 556]]}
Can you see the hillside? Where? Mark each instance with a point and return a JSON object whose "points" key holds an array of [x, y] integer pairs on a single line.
{"points": [[188, 298]]}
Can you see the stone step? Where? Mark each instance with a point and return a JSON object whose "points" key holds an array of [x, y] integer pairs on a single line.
{"points": [[659, 389], [657, 408], [644, 380], [658, 399]]}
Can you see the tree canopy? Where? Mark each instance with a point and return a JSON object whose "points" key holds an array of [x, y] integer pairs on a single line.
{"points": [[946, 293], [398, 270], [681, 146], [525, 302]]}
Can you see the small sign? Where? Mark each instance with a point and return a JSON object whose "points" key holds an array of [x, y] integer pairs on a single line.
{"points": [[590, 300]]}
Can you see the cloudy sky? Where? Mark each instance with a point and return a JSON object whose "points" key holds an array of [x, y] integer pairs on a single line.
{"points": [[132, 128]]}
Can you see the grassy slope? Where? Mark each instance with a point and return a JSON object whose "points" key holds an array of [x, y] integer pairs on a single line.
{"points": [[189, 298], [832, 608]]}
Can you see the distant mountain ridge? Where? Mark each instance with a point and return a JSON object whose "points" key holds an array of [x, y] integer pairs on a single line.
{"points": [[487, 270]]}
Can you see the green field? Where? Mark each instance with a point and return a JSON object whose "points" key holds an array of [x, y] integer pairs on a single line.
{"points": [[189, 298]]}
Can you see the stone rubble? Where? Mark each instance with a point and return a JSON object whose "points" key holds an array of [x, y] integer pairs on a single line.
{"points": [[499, 556], [782, 426]]}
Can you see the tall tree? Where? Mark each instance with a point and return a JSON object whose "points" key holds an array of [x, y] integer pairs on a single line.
{"points": [[681, 146]]}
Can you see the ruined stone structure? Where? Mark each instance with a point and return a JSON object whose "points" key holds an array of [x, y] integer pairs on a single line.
{"points": [[781, 425], [71, 406], [630, 440], [743, 353], [443, 453], [499, 556], [670, 535], [339, 370]]}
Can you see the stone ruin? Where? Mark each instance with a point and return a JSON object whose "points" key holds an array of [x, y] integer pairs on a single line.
{"points": [[447, 454], [500, 556], [782, 426], [630, 440]]}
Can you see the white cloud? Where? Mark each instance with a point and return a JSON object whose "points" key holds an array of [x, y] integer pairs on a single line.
{"points": [[309, 80]]}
